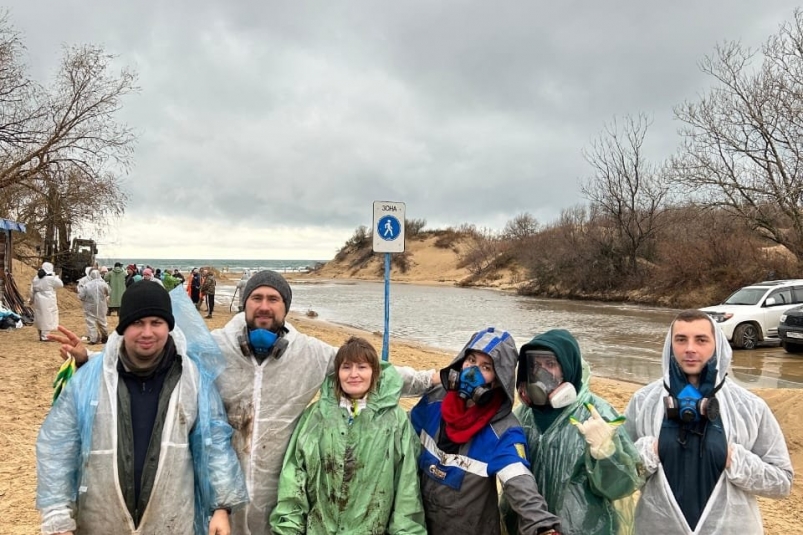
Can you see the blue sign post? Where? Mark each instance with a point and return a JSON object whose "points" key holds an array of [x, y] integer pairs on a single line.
{"points": [[388, 239]]}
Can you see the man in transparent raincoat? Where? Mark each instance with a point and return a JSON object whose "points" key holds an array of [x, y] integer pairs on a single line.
{"points": [[137, 442], [709, 446], [584, 463]]}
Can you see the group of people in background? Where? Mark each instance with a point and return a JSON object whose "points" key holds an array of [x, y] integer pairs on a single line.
{"points": [[101, 290], [699, 447]]}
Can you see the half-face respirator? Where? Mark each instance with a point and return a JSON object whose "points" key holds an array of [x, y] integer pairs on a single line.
{"points": [[690, 405], [469, 384], [262, 341], [543, 388]]}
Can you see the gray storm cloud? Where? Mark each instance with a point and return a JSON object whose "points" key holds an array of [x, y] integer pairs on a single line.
{"points": [[302, 114]]}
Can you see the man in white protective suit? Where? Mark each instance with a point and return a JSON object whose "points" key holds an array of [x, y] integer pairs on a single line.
{"points": [[709, 446], [137, 443]]}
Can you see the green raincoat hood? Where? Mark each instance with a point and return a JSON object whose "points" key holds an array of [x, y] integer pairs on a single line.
{"points": [[565, 348], [387, 392]]}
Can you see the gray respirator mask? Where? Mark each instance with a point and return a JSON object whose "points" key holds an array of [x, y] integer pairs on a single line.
{"points": [[542, 387]]}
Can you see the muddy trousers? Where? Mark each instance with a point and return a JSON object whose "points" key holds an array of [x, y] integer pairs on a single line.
{"points": [[96, 326]]}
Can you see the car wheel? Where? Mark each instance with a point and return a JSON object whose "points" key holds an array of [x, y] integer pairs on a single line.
{"points": [[745, 336], [790, 347]]}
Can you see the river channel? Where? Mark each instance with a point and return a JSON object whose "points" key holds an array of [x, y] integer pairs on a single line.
{"points": [[619, 341]]}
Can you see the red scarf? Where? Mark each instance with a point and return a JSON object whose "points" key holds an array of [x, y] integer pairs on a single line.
{"points": [[463, 422]]}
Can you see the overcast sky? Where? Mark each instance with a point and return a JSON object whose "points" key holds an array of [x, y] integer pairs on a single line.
{"points": [[267, 129]]}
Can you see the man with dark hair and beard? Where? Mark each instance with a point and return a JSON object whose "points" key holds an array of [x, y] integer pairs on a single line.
{"points": [[272, 373]]}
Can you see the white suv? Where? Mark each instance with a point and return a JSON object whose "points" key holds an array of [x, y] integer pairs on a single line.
{"points": [[751, 314]]}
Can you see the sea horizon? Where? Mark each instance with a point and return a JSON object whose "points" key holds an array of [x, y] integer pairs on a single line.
{"points": [[221, 264]]}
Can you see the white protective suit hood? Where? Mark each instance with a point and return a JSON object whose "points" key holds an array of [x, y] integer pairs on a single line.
{"points": [[723, 353], [759, 459]]}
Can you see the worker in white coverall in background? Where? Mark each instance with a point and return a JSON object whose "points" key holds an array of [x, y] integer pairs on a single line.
{"points": [[93, 295], [44, 302]]}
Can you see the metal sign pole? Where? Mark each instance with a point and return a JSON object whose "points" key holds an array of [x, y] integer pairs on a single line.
{"points": [[386, 336], [388, 238]]}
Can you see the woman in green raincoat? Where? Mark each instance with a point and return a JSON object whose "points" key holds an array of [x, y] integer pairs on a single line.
{"points": [[352, 461], [585, 464]]}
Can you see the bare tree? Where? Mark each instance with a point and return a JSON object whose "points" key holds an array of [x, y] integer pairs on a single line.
{"points": [[626, 187], [62, 152], [743, 141], [521, 228], [480, 248], [413, 227]]}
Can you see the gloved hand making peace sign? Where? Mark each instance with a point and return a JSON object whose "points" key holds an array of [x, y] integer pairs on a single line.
{"points": [[598, 433]]}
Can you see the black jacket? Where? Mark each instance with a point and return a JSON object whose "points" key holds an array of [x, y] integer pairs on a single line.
{"points": [[142, 407]]}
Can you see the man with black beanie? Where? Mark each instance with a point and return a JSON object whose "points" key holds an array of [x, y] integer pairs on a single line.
{"points": [[148, 405]]}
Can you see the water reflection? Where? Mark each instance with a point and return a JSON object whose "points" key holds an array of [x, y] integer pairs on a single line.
{"points": [[620, 341]]}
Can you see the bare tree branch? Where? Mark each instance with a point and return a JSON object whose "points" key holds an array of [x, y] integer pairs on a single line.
{"points": [[625, 187], [743, 141]]}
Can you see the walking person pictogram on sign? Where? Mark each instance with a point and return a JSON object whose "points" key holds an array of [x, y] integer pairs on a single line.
{"points": [[388, 228]]}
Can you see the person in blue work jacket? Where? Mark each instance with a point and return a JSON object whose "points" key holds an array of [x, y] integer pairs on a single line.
{"points": [[470, 439]]}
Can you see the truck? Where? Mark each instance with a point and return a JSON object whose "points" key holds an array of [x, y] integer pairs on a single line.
{"points": [[73, 262]]}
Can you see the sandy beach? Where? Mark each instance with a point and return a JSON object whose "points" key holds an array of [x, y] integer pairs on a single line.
{"points": [[29, 367]]}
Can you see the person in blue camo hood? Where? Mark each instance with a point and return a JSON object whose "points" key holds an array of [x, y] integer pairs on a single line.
{"points": [[471, 439], [709, 446], [583, 461]]}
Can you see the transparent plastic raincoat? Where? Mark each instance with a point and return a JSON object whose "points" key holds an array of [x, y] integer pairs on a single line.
{"points": [[590, 496], [76, 451], [361, 477], [760, 463], [264, 403]]}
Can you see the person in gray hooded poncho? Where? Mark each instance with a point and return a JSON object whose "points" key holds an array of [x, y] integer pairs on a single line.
{"points": [[93, 295], [708, 445]]}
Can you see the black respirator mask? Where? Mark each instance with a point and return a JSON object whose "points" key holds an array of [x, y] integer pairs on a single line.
{"points": [[542, 387]]}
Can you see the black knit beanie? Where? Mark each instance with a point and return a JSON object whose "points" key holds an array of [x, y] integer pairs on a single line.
{"points": [[143, 299], [268, 278]]}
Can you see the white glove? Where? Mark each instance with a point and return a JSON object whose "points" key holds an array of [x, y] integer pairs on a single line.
{"points": [[598, 433]]}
